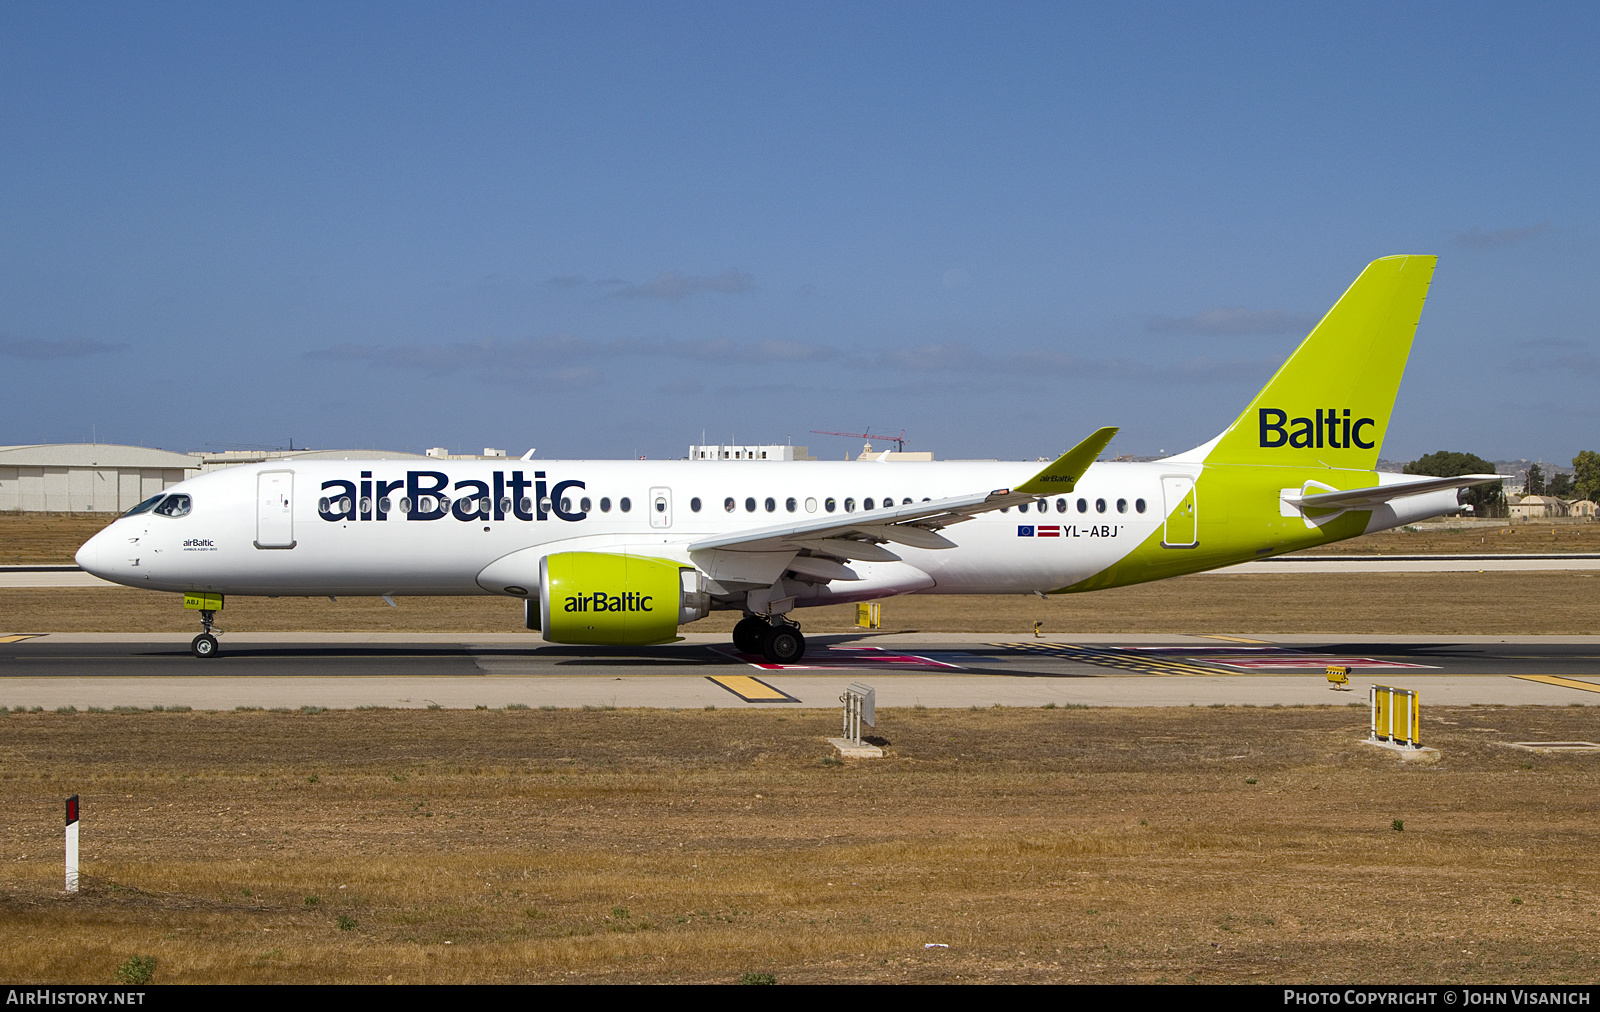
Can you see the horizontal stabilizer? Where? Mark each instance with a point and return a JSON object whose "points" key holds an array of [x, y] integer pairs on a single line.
{"points": [[1359, 498], [1064, 473]]}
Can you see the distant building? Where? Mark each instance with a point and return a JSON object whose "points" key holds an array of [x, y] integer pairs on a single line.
{"points": [[233, 458], [1583, 508], [87, 477], [748, 452], [1531, 507]]}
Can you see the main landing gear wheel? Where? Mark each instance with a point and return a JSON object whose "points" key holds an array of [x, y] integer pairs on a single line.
{"points": [[783, 644], [748, 634]]}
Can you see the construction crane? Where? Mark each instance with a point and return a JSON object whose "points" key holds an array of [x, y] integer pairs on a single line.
{"points": [[899, 441]]}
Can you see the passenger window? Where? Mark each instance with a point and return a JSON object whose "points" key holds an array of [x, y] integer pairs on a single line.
{"points": [[366, 504], [1061, 505], [1083, 505], [405, 504], [661, 505], [384, 505], [1099, 505], [849, 505], [1138, 504], [729, 505], [694, 505], [505, 504], [525, 502], [866, 504], [566, 505], [749, 504], [811, 505], [1022, 507], [829, 505], [907, 502], [624, 504], [605, 504], [584, 504], [789, 504], [544, 504], [771, 504], [1122, 505]]}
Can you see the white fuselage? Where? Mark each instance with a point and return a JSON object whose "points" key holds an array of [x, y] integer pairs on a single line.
{"points": [[230, 542]]}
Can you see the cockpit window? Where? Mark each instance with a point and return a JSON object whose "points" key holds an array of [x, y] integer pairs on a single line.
{"points": [[174, 506], [145, 506]]}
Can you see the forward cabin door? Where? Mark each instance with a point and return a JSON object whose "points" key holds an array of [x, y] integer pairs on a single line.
{"points": [[661, 508], [275, 509], [1182, 529]]}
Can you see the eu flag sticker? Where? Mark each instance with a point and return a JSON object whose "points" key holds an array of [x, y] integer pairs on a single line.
{"points": [[1025, 531]]}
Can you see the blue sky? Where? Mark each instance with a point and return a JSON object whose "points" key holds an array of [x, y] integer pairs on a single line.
{"points": [[600, 229]]}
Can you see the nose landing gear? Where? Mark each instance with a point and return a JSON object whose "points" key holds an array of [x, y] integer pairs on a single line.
{"points": [[776, 639], [205, 644]]}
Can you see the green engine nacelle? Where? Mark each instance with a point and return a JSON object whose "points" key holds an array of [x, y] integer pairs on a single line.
{"points": [[624, 600]]}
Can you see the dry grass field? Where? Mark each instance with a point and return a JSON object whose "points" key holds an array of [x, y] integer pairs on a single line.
{"points": [[1192, 845]]}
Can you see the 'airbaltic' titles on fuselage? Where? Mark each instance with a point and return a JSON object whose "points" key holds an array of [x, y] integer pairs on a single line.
{"points": [[1328, 429], [429, 495]]}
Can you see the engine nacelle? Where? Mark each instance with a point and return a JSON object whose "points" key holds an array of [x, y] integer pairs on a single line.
{"points": [[600, 598]]}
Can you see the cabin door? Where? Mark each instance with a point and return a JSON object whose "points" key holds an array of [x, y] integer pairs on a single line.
{"points": [[1182, 528], [275, 509]]}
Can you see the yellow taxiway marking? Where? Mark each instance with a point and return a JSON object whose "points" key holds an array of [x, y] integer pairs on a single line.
{"points": [[1231, 639], [1565, 683], [751, 690], [18, 638]]}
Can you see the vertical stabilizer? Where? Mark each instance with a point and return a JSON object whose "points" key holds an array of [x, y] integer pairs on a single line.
{"points": [[1329, 405]]}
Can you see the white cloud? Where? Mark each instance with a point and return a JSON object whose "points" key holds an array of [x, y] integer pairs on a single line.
{"points": [[1477, 238], [71, 347], [1233, 320], [672, 286]]}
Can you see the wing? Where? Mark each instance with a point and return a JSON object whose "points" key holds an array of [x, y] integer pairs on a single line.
{"points": [[860, 536]]}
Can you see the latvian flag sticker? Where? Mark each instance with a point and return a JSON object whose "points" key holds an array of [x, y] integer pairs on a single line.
{"points": [[1050, 532]]}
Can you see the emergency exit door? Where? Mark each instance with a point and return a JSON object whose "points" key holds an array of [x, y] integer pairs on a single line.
{"points": [[661, 507], [275, 509]]}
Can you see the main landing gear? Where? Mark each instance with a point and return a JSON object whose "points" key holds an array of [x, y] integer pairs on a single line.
{"points": [[778, 640], [205, 644]]}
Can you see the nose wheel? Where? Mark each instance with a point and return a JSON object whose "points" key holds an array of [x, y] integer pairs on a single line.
{"points": [[205, 644]]}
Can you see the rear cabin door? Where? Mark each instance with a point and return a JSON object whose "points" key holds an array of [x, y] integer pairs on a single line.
{"points": [[661, 508], [275, 509], [1181, 529]]}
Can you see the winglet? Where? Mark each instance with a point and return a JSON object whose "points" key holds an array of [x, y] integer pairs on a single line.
{"points": [[1063, 475]]}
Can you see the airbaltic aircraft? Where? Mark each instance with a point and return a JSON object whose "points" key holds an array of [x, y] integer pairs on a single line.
{"points": [[623, 552]]}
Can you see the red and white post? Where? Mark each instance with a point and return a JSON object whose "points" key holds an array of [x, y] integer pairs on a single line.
{"points": [[72, 844]]}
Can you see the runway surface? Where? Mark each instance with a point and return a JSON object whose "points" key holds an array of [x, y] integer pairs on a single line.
{"points": [[928, 669]]}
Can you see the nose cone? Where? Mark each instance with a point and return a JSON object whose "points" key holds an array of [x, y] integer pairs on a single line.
{"points": [[88, 557]]}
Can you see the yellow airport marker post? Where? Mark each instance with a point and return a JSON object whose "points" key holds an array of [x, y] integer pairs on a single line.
{"points": [[1397, 722], [1339, 677], [869, 615]]}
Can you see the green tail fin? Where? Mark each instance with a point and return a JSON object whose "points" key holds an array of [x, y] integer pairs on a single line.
{"points": [[1329, 405]]}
